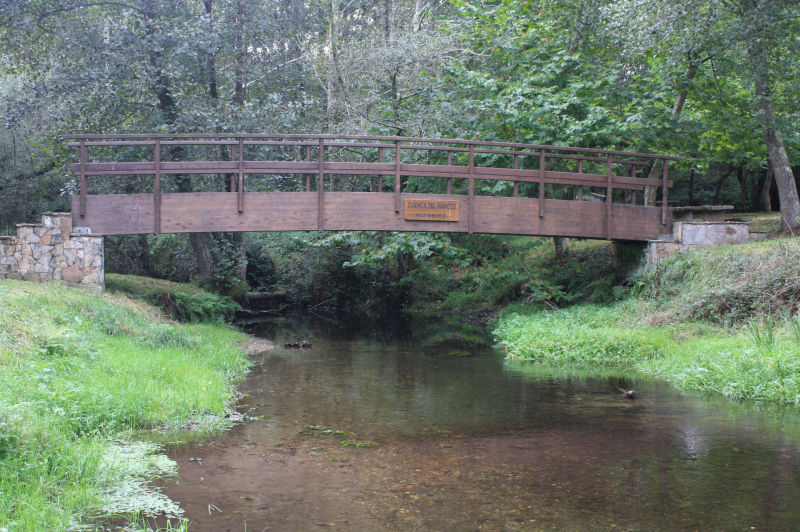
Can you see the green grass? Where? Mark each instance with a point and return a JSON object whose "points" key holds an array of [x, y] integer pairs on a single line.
{"points": [[82, 377], [720, 320]]}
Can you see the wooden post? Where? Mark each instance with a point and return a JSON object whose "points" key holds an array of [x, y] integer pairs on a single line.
{"points": [[470, 202], [308, 176], [157, 187], [609, 194], [542, 170], [580, 187], [397, 176], [240, 185], [664, 192], [320, 182], [449, 179], [233, 176], [516, 183], [84, 184], [380, 176]]}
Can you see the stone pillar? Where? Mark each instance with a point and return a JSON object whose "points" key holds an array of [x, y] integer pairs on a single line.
{"points": [[50, 251]]}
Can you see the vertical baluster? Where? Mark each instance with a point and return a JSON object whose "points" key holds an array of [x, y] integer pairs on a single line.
{"points": [[609, 194], [320, 182], [397, 183], [542, 170], [240, 183], [580, 187], [234, 157], [157, 187], [308, 176], [664, 192], [516, 183], [470, 199], [84, 185], [380, 176], [449, 179]]}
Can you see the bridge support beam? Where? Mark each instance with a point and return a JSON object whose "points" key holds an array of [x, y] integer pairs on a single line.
{"points": [[190, 212]]}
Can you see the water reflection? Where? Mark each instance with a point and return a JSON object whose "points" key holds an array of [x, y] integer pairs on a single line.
{"points": [[474, 443]]}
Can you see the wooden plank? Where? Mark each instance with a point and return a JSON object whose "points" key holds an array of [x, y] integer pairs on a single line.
{"points": [[116, 214], [296, 211], [348, 168]]}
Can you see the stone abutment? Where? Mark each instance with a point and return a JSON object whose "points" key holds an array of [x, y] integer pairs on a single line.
{"points": [[51, 251]]}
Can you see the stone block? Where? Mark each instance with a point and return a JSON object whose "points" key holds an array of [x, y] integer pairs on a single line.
{"points": [[66, 226], [70, 255], [658, 250], [73, 274], [41, 268], [38, 252], [47, 237], [25, 267], [707, 234], [45, 277]]}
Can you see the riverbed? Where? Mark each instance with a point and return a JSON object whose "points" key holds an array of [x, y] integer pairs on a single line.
{"points": [[376, 433]]}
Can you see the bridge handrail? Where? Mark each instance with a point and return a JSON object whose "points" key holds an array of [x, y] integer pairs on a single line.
{"points": [[238, 165]]}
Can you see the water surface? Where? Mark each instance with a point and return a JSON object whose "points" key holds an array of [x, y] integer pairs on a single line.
{"points": [[473, 443]]}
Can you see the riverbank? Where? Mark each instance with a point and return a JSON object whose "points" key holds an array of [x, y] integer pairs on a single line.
{"points": [[721, 320], [87, 384]]}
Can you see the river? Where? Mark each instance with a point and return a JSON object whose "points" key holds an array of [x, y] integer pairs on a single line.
{"points": [[385, 434]]}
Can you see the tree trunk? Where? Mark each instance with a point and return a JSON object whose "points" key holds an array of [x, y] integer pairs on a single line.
{"points": [[201, 242], [779, 160], [677, 108], [764, 184], [238, 45], [419, 15], [562, 248], [740, 175], [331, 85]]}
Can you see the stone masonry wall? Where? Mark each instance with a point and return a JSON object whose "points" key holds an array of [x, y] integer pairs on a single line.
{"points": [[692, 235], [50, 251]]}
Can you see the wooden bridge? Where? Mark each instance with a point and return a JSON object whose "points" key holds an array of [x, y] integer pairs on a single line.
{"points": [[214, 183]]}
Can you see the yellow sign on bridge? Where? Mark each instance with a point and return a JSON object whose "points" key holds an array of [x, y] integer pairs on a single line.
{"points": [[431, 210]]}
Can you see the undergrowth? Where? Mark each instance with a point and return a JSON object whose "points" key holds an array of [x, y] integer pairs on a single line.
{"points": [[81, 376], [181, 301]]}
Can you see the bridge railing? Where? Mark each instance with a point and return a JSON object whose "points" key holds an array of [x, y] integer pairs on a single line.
{"points": [[380, 164]]}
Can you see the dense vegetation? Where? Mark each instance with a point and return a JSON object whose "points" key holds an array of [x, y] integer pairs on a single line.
{"points": [[86, 382], [712, 82], [721, 320]]}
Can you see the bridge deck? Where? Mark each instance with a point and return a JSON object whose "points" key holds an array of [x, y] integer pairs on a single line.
{"points": [[301, 182]]}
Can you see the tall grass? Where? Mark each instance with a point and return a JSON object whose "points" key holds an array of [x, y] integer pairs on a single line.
{"points": [[80, 375], [719, 320]]}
